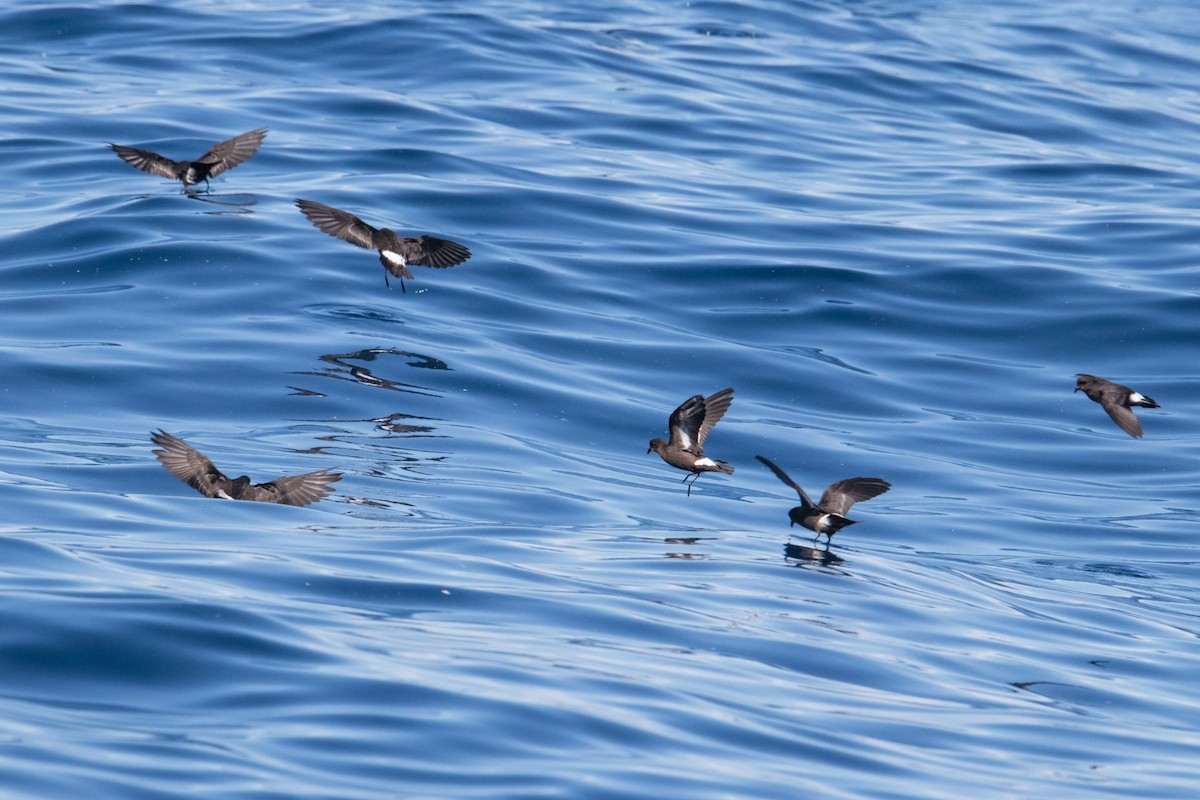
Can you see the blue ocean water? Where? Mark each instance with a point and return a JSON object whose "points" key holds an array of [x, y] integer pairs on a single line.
{"points": [[897, 229]]}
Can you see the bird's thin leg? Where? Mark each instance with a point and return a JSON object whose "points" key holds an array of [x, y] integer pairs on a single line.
{"points": [[386, 282], [693, 476]]}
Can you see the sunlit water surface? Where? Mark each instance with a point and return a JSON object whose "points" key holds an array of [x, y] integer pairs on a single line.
{"points": [[898, 230]]}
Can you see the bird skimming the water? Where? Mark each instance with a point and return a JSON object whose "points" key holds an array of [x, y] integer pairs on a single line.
{"points": [[829, 515], [193, 468], [689, 426], [396, 253], [220, 157]]}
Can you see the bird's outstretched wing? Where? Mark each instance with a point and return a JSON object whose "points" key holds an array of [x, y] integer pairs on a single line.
{"points": [[685, 422], [430, 251], [231, 152], [294, 490], [838, 497], [1124, 417], [783, 476], [340, 224], [715, 406], [187, 463], [146, 161]]}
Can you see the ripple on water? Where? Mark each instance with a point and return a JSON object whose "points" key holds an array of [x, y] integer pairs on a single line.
{"points": [[897, 233]]}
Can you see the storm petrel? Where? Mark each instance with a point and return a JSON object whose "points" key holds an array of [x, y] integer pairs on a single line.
{"points": [[1117, 400], [396, 253], [220, 157], [829, 515], [689, 426], [193, 468]]}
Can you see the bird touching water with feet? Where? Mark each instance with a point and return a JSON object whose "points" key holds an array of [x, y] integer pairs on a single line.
{"points": [[689, 426], [220, 157], [829, 515], [193, 468]]}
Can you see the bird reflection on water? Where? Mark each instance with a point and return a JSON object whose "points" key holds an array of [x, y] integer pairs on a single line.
{"points": [[827, 516], [344, 369], [392, 424], [810, 555], [236, 203]]}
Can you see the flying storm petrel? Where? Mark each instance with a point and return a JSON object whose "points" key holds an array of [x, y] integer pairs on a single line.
{"points": [[689, 426], [829, 515], [220, 157], [1117, 400], [396, 253], [193, 468]]}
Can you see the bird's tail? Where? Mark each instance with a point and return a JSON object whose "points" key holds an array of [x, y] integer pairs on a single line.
{"points": [[835, 522], [396, 267], [723, 467]]}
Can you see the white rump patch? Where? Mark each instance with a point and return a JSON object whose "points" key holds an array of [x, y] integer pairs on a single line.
{"points": [[1134, 397], [705, 462], [393, 257]]}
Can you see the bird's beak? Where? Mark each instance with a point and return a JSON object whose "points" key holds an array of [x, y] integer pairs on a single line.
{"points": [[793, 524], [1076, 389], [649, 449]]}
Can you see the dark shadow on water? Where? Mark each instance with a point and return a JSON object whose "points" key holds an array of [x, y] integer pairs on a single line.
{"points": [[392, 424], [343, 368], [1074, 698], [800, 555], [233, 203], [689, 539], [817, 354], [1118, 570], [368, 502], [58, 291], [676, 541], [353, 312], [688, 556]]}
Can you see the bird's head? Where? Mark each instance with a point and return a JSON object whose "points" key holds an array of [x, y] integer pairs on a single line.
{"points": [[656, 446]]}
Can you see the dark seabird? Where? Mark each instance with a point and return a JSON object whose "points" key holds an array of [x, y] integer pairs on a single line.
{"points": [[689, 426], [829, 515], [220, 157], [396, 253], [1117, 400], [193, 468]]}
